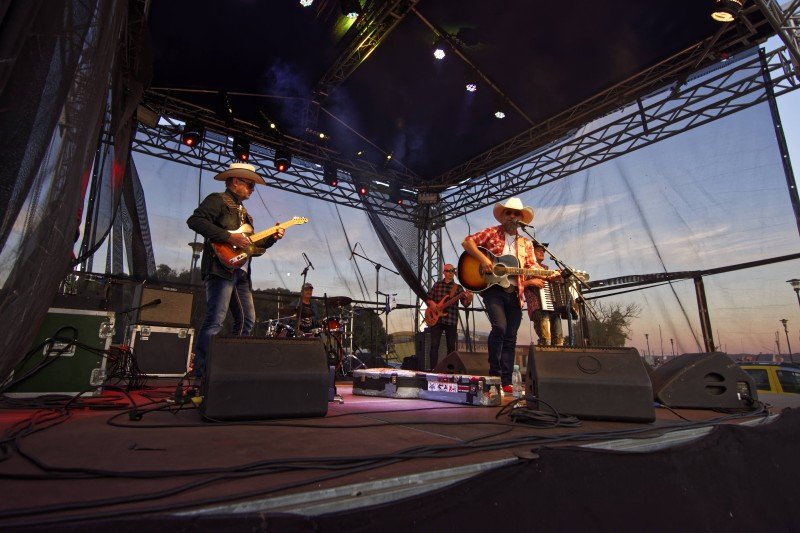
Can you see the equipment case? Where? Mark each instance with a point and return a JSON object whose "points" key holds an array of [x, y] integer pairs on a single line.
{"points": [[161, 351], [78, 368], [388, 382], [464, 389]]}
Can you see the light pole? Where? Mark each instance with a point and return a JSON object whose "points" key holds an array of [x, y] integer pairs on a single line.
{"points": [[197, 251], [672, 342], [788, 345], [647, 338], [795, 283]]}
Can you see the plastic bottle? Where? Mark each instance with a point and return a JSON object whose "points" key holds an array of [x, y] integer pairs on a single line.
{"points": [[516, 383]]}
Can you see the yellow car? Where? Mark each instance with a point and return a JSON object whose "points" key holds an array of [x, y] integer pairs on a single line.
{"points": [[778, 378]]}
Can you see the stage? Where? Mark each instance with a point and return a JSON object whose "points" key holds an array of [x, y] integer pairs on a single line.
{"points": [[388, 464]]}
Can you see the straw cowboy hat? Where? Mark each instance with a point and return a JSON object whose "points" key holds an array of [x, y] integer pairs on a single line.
{"points": [[242, 171], [526, 213]]}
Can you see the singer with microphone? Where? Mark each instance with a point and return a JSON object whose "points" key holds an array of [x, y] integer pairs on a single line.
{"points": [[504, 305]]}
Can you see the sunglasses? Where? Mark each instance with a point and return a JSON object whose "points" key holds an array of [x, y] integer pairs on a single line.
{"points": [[450, 270], [249, 184]]}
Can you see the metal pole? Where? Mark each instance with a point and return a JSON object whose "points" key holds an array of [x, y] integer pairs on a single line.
{"points": [[788, 344], [647, 339], [705, 320]]}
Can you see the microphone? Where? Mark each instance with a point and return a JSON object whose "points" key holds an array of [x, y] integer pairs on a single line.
{"points": [[308, 261], [353, 251], [151, 304], [521, 224]]}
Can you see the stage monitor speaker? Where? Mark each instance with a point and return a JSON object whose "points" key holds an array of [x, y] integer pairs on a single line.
{"points": [[422, 347], [173, 307], [589, 383], [457, 362], [703, 381], [253, 378]]}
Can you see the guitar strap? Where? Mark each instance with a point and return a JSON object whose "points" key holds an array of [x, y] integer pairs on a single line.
{"points": [[235, 207]]}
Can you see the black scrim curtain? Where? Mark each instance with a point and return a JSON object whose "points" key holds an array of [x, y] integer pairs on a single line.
{"points": [[55, 62], [392, 235]]}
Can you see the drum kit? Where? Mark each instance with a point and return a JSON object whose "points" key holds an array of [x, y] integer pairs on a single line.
{"points": [[333, 328]]}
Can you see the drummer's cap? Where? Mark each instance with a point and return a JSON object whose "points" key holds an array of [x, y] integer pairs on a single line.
{"points": [[308, 286]]}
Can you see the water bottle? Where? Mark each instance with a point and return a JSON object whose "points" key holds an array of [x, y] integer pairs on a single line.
{"points": [[516, 384]]}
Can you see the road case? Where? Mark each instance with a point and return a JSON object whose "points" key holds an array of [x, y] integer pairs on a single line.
{"points": [[464, 389], [161, 351], [388, 382]]}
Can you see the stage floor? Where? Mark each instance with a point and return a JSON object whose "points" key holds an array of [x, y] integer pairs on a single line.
{"points": [[99, 462]]}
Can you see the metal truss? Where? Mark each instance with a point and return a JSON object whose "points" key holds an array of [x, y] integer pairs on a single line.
{"points": [[785, 23], [736, 86], [430, 256], [730, 37], [303, 177]]}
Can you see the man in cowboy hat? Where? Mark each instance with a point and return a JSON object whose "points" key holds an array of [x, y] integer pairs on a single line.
{"points": [[504, 306], [215, 219]]}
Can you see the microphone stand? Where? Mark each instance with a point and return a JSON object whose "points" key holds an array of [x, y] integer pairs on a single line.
{"points": [[299, 306], [378, 266], [570, 273]]}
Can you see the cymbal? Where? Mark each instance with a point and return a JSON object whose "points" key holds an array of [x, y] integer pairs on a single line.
{"points": [[339, 301], [305, 312]]}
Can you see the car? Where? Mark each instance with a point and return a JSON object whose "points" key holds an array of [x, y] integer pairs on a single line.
{"points": [[778, 378]]}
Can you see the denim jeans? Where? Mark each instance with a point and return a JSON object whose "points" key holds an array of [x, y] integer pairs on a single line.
{"points": [[505, 315], [221, 295], [451, 336], [548, 327]]}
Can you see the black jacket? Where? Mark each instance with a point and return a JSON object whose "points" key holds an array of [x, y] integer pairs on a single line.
{"points": [[213, 219]]}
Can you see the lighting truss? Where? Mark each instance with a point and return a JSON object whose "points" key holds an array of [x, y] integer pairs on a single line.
{"points": [[738, 85], [786, 23]]}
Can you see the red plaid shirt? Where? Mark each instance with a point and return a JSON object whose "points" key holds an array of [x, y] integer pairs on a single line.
{"points": [[494, 240], [441, 289]]}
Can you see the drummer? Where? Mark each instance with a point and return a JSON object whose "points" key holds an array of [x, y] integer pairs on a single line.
{"points": [[309, 320]]}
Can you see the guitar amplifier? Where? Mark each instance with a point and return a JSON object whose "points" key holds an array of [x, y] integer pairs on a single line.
{"points": [[161, 351], [162, 305]]}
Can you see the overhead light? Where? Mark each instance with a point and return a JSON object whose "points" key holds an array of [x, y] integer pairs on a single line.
{"points": [[331, 174], [395, 194], [306, 3], [726, 10], [499, 114], [438, 53], [283, 159], [241, 148], [192, 134], [471, 87], [362, 187], [351, 8]]}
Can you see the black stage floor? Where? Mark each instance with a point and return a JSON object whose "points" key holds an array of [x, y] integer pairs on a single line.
{"points": [[383, 464]]}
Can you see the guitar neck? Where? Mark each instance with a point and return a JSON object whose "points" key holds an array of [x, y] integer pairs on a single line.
{"points": [[512, 271], [271, 231]]}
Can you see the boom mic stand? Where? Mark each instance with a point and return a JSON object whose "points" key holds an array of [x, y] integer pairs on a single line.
{"points": [[299, 306], [378, 266]]}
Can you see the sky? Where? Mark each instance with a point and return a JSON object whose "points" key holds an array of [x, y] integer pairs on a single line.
{"points": [[703, 199]]}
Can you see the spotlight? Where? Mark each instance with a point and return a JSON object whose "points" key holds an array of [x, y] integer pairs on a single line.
{"points": [[499, 114], [471, 87], [241, 148], [387, 161], [192, 134], [331, 175], [726, 10], [439, 53], [395, 195], [306, 3], [283, 159], [351, 8], [362, 187]]}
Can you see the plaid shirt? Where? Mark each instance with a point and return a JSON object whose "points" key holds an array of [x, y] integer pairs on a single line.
{"points": [[494, 240], [441, 289]]}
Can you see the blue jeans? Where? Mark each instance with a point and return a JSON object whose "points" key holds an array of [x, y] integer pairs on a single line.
{"points": [[505, 315], [221, 295]]}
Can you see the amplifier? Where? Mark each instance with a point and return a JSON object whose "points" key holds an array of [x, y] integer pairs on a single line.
{"points": [[161, 305], [161, 351]]}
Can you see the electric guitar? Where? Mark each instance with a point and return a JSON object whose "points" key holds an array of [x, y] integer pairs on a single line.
{"points": [[473, 278], [233, 256], [432, 315]]}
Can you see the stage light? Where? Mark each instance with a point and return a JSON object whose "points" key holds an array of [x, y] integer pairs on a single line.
{"points": [[499, 114], [351, 8], [726, 10], [192, 134], [471, 87], [438, 53], [395, 194], [306, 3], [331, 174], [283, 159], [241, 148], [362, 187]]}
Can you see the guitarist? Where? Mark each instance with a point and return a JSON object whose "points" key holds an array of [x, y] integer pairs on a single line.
{"points": [[445, 314], [504, 306], [216, 216]]}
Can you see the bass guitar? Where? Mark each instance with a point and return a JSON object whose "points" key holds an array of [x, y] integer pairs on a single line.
{"points": [[233, 256], [432, 315], [472, 276]]}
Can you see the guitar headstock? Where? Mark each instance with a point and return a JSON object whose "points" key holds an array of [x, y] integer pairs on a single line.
{"points": [[299, 220]]}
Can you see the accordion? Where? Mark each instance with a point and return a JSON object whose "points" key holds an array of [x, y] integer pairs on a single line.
{"points": [[554, 298]]}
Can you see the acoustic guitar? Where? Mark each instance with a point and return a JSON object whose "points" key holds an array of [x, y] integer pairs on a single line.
{"points": [[233, 256], [473, 278]]}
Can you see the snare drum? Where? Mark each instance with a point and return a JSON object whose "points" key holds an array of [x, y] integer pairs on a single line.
{"points": [[333, 323], [283, 331]]}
